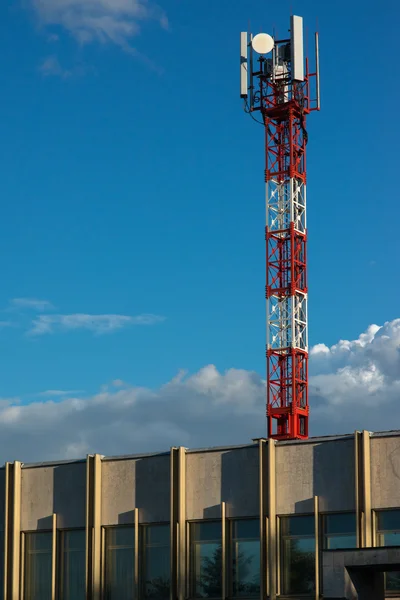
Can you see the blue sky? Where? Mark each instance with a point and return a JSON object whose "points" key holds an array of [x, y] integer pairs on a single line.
{"points": [[132, 184]]}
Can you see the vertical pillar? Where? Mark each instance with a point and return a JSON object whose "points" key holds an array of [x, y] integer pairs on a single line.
{"points": [[15, 530], [182, 545], [272, 534], [6, 528], [262, 468], [173, 519], [366, 479], [357, 465], [136, 574], [93, 527], [223, 548], [317, 549], [54, 557]]}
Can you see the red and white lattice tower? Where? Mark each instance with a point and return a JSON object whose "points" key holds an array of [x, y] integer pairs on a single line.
{"points": [[277, 86]]}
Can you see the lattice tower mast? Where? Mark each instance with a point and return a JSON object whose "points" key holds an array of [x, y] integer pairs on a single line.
{"points": [[276, 85]]}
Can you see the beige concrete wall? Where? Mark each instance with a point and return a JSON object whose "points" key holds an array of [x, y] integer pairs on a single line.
{"points": [[385, 472], [142, 483], [229, 476], [324, 469], [57, 489]]}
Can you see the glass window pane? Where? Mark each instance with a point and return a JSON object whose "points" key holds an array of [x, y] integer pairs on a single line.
{"points": [[340, 523], [301, 526], [338, 542], [389, 520], [1, 564], [38, 557], [155, 568], [72, 565], [246, 528], [206, 531], [389, 539], [298, 566], [206, 559], [120, 563], [393, 581]]}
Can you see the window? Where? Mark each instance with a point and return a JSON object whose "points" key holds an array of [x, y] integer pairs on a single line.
{"points": [[298, 555], [245, 558], [72, 564], [38, 558], [120, 563], [388, 534], [339, 531], [155, 562], [1, 564], [206, 559]]}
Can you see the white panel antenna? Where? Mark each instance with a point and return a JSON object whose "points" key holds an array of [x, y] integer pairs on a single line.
{"points": [[317, 70], [297, 48], [243, 65]]}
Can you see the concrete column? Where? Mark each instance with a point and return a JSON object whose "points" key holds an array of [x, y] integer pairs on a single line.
{"points": [[263, 495], [367, 496], [15, 527], [272, 541], [93, 527]]}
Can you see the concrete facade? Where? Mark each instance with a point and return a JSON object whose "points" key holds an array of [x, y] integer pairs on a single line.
{"points": [[265, 480]]}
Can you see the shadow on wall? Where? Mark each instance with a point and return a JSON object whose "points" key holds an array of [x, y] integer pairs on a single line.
{"points": [[236, 484], [152, 488], [333, 467], [69, 508]]}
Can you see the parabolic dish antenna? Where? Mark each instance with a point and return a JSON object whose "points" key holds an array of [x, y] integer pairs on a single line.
{"points": [[262, 43]]}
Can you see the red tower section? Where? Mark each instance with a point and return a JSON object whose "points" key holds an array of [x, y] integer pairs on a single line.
{"points": [[286, 260], [279, 89]]}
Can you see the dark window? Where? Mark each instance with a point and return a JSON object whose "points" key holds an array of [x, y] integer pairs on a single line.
{"points": [[155, 562], [388, 534], [120, 563], [72, 564], [38, 558], [1, 565], [206, 559], [339, 531], [245, 558], [298, 555]]}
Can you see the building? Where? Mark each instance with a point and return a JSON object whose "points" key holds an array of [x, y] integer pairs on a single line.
{"points": [[294, 519]]}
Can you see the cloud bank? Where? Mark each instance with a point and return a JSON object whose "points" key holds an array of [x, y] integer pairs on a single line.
{"points": [[354, 385], [115, 21], [31, 303], [98, 324]]}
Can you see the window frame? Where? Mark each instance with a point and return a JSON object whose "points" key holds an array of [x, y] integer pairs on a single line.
{"points": [[281, 553], [377, 532], [229, 562], [142, 550], [191, 585], [323, 530], [23, 551], [104, 548], [60, 555]]}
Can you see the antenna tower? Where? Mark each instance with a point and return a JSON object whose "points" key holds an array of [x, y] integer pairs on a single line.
{"points": [[275, 84]]}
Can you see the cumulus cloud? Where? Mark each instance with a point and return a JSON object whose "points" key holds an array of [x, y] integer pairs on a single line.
{"points": [[115, 21], [354, 384], [31, 303], [99, 324]]}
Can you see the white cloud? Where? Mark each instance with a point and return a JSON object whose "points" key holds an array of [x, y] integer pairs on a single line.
{"points": [[96, 323], [104, 21], [31, 303], [353, 385], [58, 393]]}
